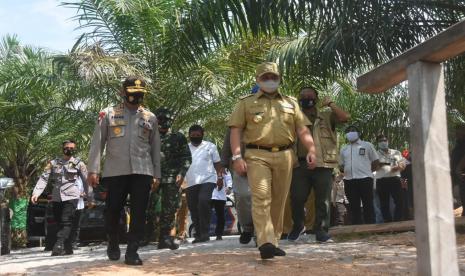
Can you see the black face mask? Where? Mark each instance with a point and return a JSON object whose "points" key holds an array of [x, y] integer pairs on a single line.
{"points": [[196, 140], [307, 103], [134, 98], [69, 152], [164, 123]]}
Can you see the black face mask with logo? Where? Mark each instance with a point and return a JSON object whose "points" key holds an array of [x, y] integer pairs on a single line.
{"points": [[196, 140], [307, 103], [134, 98]]}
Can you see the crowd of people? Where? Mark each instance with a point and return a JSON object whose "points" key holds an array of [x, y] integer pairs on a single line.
{"points": [[286, 172]]}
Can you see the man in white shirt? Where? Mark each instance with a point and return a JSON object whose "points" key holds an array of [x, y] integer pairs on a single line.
{"points": [[388, 184], [204, 174], [358, 160]]}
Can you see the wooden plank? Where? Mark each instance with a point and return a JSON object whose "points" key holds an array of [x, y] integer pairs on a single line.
{"points": [[400, 226], [445, 45], [434, 220]]}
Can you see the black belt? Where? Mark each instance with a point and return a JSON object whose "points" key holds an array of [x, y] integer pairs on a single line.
{"points": [[272, 149]]}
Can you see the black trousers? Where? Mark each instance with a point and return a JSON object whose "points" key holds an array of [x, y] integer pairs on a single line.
{"points": [[75, 227], [388, 187], [303, 181], [360, 191], [138, 187], [220, 220], [198, 201], [63, 213]]}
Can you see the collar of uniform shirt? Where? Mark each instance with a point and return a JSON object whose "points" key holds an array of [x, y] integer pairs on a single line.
{"points": [[260, 93]]}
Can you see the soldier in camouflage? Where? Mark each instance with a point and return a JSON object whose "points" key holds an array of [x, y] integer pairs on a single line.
{"points": [[175, 161]]}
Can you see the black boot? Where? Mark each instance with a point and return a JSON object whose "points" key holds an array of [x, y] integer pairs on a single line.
{"points": [[167, 242], [58, 248], [68, 248], [131, 257], [113, 251]]}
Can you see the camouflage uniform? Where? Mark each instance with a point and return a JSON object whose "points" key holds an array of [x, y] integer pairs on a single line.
{"points": [[175, 160]]}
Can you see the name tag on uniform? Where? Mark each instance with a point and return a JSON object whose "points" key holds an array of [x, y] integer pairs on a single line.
{"points": [[361, 151]]}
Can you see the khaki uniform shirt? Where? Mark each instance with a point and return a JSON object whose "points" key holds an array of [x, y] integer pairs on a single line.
{"points": [[325, 140], [132, 142], [268, 121], [62, 175]]}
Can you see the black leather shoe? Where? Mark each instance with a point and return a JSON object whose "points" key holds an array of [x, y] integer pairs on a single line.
{"points": [[132, 259], [113, 251], [267, 251], [58, 249], [201, 239], [168, 242], [279, 252], [219, 238], [68, 249], [245, 237]]}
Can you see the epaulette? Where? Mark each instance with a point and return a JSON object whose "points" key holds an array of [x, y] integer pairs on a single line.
{"points": [[246, 96], [76, 161], [291, 97]]}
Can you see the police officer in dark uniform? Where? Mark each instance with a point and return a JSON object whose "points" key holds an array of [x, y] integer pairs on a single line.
{"points": [[130, 134], [63, 174], [175, 161]]}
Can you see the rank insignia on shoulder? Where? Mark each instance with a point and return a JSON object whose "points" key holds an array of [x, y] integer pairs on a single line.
{"points": [[246, 96]]}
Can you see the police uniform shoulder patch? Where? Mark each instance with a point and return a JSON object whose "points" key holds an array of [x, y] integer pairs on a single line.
{"points": [[246, 96]]}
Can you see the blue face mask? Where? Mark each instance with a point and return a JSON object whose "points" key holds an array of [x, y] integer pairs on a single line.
{"points": [[352, 136], [383, 145]]}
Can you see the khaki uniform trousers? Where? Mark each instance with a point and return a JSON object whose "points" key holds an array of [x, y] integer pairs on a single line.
{"points": [[309, 213], [269, 175], [181, 218]]}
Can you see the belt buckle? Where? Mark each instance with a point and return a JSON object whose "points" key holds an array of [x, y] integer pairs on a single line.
{"points": [[274, 149]]}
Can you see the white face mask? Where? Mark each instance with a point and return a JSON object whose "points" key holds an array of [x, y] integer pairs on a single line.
{"points": [[352, 136], [269, 86], [383, 145]]}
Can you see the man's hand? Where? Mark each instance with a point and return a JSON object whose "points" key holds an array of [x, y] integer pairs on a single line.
{"points": [[240, 167], [326, 101], [179, 180], [155, 184], [92, 179], [90, 204], [34, 199], [219, 184], [311, 161]]}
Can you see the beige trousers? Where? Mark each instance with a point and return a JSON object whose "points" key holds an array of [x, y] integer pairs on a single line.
{"points": [[269, 175]]}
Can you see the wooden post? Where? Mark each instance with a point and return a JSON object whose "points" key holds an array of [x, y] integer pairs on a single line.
{"points": [[434, 220]]}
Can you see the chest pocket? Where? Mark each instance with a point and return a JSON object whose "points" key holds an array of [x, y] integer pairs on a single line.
{"points": [[71, 174], [287, 114], [256, 115], [117, 128], [327, 142], [145, 128]]}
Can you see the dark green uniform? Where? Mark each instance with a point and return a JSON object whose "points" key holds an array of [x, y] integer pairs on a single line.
{"points": [[175, 160]]}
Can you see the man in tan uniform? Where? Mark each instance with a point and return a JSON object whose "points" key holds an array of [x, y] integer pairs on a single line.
{"points": [[320, 180], [130, 135], [270, 123]]}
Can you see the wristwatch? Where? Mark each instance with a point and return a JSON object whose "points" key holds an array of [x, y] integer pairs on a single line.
{"points": [[236, 157]]}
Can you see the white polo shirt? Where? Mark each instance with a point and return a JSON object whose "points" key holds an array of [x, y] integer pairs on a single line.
{"points": [[356, 158], [202, 169]]}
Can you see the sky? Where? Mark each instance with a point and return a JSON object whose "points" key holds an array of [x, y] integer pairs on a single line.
{"points": [[39, 23]]}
